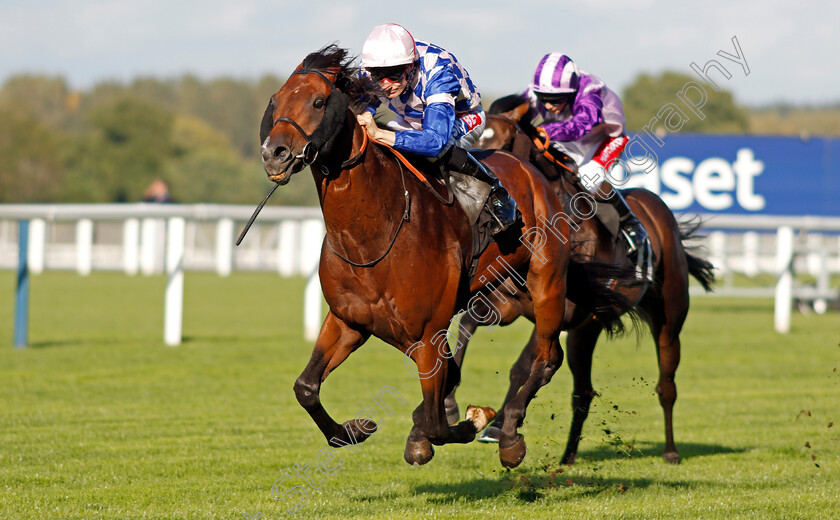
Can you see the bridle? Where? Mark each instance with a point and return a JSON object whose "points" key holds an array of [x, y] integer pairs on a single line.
{"points": [[336, 106], [312, 148]]}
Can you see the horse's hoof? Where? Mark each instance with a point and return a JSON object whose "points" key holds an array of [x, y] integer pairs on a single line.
{"points": [[490, 435], [361, 430], [453, 415], [353, 432], [512, 453], [569, 460], [418, 453], [671, 457], [480, 416]]}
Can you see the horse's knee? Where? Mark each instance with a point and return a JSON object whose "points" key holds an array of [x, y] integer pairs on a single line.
{"points": [[519, 372], [667, 392], [582, 401], [306, 393], [550, 366], [555, 360]]}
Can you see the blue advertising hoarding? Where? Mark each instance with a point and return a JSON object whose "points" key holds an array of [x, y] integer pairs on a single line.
{"points": [[738, 174]]}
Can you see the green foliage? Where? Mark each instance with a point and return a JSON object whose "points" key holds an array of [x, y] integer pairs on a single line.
{"points": [[205, 167], [132, 140], [31, 169], [108, 144], [823, 121], [648, 95], [47, 98]]}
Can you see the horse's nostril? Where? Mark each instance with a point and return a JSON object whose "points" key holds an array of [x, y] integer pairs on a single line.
{"points": [[280, 151]]}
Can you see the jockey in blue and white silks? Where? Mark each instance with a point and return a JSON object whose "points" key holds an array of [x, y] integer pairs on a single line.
{"points": [[437, 107], [585, 120], [440, 106]]}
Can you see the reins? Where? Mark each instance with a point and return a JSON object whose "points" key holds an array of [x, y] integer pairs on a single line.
{"points": [[541, 142], [417, 173], [405, 218]]}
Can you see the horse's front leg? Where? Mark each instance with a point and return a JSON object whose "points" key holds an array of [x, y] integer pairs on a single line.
{"points": [[335, 342], [438, 374]]}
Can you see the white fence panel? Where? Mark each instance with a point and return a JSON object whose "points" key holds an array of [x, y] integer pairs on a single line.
{"points": [[157, 238], [133, 238]]}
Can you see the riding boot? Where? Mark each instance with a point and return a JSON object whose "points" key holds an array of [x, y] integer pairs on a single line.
{"points": [[502, 204], [630, 229]]}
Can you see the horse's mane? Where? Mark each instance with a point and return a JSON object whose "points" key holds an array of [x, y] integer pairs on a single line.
{"points": [[335, 59], [505, 104]]}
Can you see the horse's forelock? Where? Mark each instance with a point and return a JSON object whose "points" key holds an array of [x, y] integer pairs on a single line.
{"points": [[330, 59], [336, 62]]}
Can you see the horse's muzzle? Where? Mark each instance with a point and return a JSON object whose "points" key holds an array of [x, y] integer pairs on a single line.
{"points": [[279, 162]]}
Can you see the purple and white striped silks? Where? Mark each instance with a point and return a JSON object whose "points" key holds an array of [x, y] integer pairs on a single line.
{"points": [[556, 73]]}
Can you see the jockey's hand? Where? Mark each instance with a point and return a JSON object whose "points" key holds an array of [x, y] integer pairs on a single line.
{"points": [[378, 134], [366, 120]]}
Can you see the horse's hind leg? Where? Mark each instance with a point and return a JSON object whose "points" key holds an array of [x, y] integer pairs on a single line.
{"points": [[667, 315], [580, 346], [509, 309], [467, 326], [519, 373], [548, 290], [335, 342]]}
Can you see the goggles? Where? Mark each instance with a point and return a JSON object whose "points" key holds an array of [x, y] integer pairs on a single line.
{"points": [[556, 99], [391, 74]]}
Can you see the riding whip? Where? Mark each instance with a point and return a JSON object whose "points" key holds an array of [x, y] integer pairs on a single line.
{"points": [[254, 216]]}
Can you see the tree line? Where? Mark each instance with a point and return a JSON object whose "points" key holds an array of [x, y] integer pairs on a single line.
{"points": [[108, 143]]}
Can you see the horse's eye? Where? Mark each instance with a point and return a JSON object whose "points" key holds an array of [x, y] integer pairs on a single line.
{"points": [[319, 103]]}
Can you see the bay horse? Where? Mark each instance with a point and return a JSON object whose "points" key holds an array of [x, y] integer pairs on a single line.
{"points": [[396, 256], [664, 303]]}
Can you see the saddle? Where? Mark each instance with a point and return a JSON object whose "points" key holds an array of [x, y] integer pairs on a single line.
{"points": [[473, 195]]}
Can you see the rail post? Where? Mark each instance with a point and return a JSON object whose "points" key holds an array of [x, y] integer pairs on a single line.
{"points": [[174, 304], [22, 293], [784, 284]]}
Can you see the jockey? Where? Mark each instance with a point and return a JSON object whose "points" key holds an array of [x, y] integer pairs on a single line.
{"points": [[585, 120], [437, 106]]}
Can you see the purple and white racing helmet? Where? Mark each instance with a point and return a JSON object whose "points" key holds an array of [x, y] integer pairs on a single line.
{"points": [[556, 73]]}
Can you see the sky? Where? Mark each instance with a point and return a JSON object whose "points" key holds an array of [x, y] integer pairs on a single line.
{"points": [[790, 49]]}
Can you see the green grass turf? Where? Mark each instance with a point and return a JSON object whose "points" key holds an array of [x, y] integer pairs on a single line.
{"points": [[98, 419]]}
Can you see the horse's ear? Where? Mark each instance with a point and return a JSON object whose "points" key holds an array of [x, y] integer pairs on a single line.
{"points": [[267, 122], [519, 112]]}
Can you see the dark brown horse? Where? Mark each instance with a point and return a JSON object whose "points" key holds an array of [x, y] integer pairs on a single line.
{"points": [[664, 303], [395, 258]]}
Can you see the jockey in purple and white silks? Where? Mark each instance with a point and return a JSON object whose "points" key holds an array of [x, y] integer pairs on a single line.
{"points": [[437, 107], [585, 120]]}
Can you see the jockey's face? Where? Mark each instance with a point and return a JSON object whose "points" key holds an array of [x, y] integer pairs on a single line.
{"points": [[393, 89], [555, 108], [555, 103], [392, 80]]}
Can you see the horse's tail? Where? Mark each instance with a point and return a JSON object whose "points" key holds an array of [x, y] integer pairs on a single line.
{"points": [[701, 269], [593, 285]]}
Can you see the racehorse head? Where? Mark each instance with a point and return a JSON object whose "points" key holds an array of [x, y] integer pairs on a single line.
{"points": [[502, 125], [304, 117]]}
